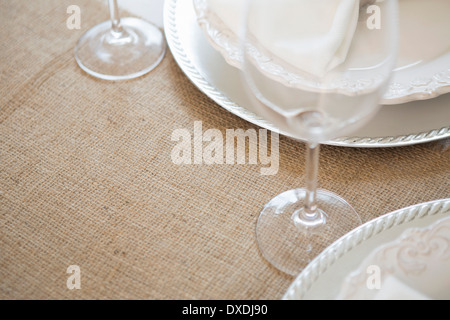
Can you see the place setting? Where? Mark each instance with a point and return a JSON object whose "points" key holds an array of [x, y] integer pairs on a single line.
{"points": [[317, 72]]}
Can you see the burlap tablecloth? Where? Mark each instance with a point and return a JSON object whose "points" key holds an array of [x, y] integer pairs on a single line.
{"points": [[86, 177]]}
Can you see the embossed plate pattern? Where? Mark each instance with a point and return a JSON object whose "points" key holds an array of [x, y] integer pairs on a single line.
{"points": [[418, 260]]}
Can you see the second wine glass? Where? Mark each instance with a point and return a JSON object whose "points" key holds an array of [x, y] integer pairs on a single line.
{"points": [[317, 70], [120, 49]]}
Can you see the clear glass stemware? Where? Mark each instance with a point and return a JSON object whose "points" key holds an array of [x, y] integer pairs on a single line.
{"points": [[120, 49], [317, 70]]}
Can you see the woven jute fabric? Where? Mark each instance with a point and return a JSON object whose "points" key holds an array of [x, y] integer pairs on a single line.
{"points": [[87, 179]]}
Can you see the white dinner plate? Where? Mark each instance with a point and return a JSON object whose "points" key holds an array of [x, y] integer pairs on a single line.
{"points": [[423, 68], [323, 278], [393, 126]]}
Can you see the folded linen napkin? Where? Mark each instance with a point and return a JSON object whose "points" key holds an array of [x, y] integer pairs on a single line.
{"points": [[312, 35]]}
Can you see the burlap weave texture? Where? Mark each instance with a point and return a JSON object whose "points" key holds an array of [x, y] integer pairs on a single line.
{"points": [[86, 177]]}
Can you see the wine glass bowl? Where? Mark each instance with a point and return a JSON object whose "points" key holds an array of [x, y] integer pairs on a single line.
{"points": [[315, 69], [338, 93], [120, 49]]}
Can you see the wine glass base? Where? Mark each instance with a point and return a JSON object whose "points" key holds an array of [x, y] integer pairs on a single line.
{"points": [[112, 56], [290, 247]]}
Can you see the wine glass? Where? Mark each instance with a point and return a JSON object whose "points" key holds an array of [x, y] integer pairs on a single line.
{"points": [[120, 49], [316, 69]]}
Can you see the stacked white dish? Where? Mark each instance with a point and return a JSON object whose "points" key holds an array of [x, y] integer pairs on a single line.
{"points": [[207, 51]]}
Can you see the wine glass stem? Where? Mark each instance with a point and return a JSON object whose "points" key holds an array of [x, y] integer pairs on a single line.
{"points": [[312, 170], [115, 17]]}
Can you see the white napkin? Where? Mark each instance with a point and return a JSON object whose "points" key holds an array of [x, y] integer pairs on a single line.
{"points": [[394, 289], [312, 35]]}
